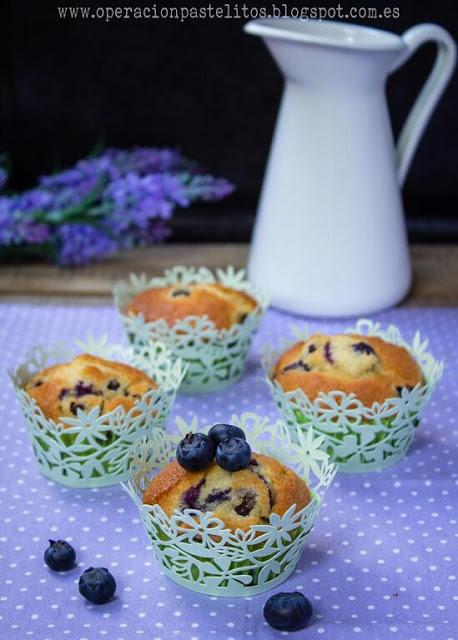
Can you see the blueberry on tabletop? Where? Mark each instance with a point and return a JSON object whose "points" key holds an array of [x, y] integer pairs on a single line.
{"points": [[288, 611], [220, 432], [195, 452], [97, 585], [233, 454], [60, 555]]}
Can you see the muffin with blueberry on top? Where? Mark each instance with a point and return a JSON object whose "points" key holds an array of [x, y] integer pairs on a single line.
{"points": [[368, 366], [223, 305], [219, 473], [87, 382]]}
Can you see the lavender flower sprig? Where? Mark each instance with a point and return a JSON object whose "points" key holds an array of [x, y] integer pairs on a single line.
{"points": [[119, 199]]}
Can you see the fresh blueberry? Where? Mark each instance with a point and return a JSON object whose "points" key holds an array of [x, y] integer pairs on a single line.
{"points": [[233, 454], [288, 611], [60, 556], [196, 452], [97, 585], [220, 432]]}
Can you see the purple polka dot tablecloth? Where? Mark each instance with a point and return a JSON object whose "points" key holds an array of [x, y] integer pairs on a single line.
{"points": [[381, 562]]}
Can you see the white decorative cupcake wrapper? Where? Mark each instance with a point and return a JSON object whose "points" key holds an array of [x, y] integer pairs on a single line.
{"points": [[215, 358], [92, 450], [195, 549], [360, 438]]}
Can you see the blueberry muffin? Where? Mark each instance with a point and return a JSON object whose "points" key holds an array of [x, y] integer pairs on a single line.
{"points": [[87, 382], [240, 499], [223, 305], [367, 366]]}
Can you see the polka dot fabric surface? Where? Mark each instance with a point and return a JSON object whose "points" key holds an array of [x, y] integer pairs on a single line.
{"points": [[381, 562]]}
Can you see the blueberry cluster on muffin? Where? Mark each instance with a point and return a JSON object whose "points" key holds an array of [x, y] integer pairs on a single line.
{"points": [[257, 485], [370, 367], [224, 306], [87, 382]]}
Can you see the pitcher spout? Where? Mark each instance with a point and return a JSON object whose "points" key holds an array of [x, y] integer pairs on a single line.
{"points": [[325, 32], [314, 51]]}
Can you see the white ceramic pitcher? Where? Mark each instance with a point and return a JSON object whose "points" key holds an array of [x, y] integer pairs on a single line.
{"points": [[330, 237]]}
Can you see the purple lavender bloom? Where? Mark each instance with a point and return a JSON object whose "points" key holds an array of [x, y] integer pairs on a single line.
{"points": [[91, 169], [113, 164], [16, 232], [145, 160], [208, 188], [67, 178], [33, 200], [137, 200], [82, 243], [71, 187], [23, 204], [3, 177], [16, 224], [131, 193], [7, 229], [156, 232], [34, 233], [69, 196]]}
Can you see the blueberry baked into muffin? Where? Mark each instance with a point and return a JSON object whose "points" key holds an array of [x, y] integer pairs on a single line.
{"points": [[367, 366], [247, 496], [87, 382], [223, 305]]}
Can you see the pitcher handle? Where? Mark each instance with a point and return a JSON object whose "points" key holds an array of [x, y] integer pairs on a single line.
{"points": [[431, 92]]}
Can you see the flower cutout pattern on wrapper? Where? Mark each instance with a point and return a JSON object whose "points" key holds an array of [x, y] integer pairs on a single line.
{"points": [[92, 450], [357, 437], [196, 550]]}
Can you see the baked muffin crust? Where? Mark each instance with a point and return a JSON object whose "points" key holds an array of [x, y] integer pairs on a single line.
{"points": [[223, 305], [367, 366], [87, 382], [240, 499]]}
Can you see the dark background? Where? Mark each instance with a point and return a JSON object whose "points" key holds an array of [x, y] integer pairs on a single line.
{"points": [[202, 86]]}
